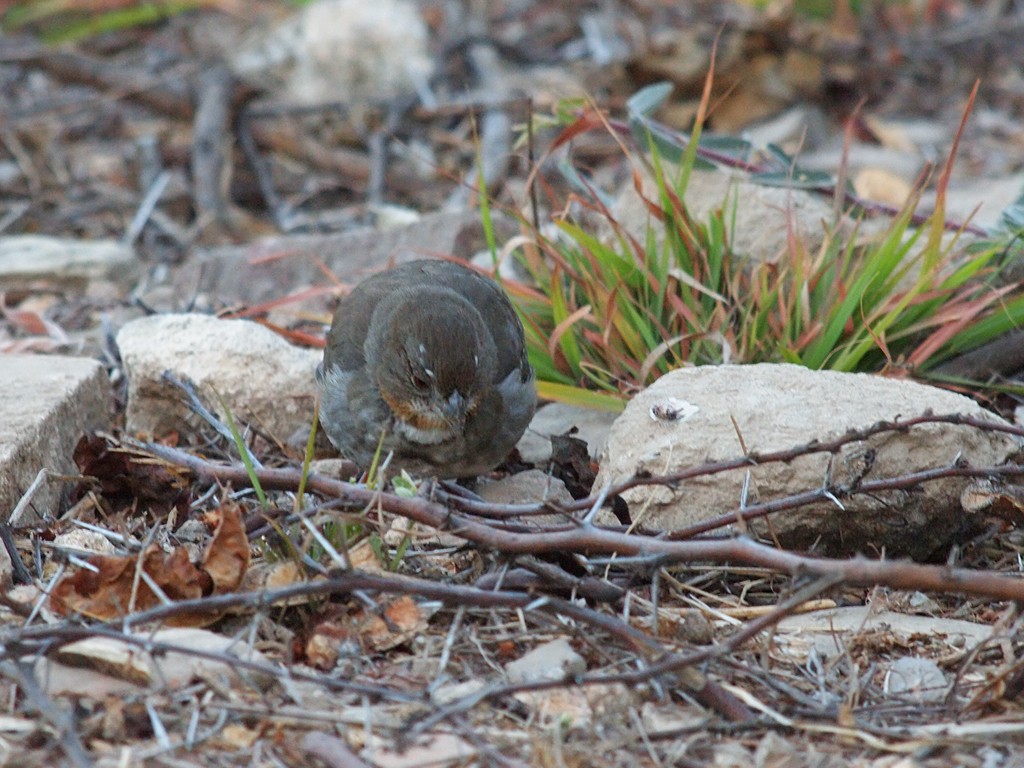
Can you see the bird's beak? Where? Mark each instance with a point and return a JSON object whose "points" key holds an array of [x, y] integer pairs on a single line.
{"points": [[454, 410]]}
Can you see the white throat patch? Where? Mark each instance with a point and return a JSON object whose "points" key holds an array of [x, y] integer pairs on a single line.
{"points": [[422, 436]]}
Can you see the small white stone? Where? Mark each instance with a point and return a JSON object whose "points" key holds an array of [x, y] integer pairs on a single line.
{"points": [[82, 541], [555, 660], [394, 216], [448, 694], [916, 679]]}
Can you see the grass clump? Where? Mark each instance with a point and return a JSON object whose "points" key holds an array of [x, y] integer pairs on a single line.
{"points": [[608, 315]]}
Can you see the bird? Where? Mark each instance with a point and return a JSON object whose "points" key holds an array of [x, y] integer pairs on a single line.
{"points": [[428, 361]]}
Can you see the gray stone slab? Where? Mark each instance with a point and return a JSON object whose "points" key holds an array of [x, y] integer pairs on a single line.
{"points": [[276, 266], [48, 403], [28, 259]]}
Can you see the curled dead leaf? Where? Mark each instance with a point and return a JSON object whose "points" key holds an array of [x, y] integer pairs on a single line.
{"points": [[113, 590], [226, 559], [117, 585]]}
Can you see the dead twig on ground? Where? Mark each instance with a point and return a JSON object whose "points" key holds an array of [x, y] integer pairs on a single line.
{"points": [[858, 571]]}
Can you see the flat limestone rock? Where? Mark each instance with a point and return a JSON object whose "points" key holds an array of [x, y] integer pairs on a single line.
{"points": [[25, 259], [554, 660], [49, 402], [527, 487], [696, 415], [264, 380], [104, 666], [829, 630], [276, 266]]}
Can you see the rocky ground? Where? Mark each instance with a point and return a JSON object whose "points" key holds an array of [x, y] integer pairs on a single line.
{"points": [[712, 578]]}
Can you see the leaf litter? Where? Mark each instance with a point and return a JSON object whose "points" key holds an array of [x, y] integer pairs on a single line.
{"points": [[407, 667]]}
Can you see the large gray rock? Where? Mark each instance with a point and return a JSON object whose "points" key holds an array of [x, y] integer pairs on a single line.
{"points": [[48, 403], [773, 407], [264, 380]]}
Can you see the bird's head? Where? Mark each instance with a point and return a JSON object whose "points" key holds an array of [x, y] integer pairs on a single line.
{"points": [[433, 363]]}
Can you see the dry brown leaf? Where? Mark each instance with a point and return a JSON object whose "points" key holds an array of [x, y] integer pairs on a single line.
{"points": [[226, 559], [400, 620], [127, 479], [237, 737], [997, 500], [106, 593], [363, 557], [271, 577], [324, 646], [114, 589], [891, 134], [264, 576], [32, 323]]}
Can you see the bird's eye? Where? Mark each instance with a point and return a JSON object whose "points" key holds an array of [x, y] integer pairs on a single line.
{"points": [[420, 382]]}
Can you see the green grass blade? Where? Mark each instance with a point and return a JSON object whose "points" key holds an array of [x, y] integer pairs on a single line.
{"points": [[585, 398], [243, 451]]}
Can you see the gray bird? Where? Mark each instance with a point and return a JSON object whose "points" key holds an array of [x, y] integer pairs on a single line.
{"points": [[431, 355]]}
